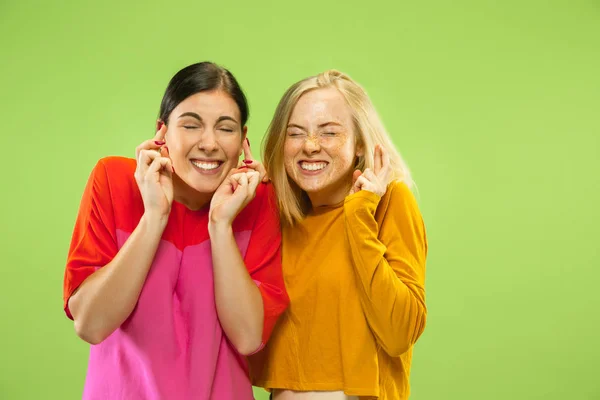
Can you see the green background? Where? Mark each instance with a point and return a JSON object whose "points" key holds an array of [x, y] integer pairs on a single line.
{"points": [[495, 106]]}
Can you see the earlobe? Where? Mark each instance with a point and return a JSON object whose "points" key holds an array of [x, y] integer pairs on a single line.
{"points": [[360, 152]]}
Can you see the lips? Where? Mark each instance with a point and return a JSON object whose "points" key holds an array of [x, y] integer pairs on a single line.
{"points": [[312, 166], [207, 166]]}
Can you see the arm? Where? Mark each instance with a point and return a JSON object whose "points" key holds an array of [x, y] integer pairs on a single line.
{"points": [[389, 262], [102, 285], [246, 312], [238, 300], [108, 296]]}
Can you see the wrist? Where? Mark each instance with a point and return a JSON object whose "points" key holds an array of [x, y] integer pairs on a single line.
{"points": [[219, 228], [154, 221]]}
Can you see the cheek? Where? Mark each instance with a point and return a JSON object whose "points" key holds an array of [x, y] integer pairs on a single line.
{"points": [[290, 149], [342, 150]]}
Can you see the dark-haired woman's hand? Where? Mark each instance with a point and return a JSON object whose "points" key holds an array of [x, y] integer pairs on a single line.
{"points": [[236, 191], [154, 176], [375, 180], [250, 163]]}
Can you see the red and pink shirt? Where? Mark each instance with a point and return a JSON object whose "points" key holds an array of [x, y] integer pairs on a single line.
{"points": [[172, 346]]}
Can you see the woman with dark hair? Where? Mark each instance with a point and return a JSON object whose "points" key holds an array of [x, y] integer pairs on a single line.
{"points": [[174, 269]]}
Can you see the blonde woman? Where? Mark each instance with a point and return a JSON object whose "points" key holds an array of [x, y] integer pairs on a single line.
{"points": [[354, 249]]}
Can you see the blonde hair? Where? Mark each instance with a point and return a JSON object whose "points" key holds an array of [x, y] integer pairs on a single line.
{"points": [[293, 202]]}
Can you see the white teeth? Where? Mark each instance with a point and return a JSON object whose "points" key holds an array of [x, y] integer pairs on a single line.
{"points": [[312, 166], [206, 165]]}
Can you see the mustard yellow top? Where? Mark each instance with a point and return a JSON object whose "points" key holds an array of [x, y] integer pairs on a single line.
{"points": [[355, 276]]}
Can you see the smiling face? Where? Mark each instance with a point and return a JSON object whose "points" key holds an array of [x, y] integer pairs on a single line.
{"points": [[320, 146], [204, 138]]}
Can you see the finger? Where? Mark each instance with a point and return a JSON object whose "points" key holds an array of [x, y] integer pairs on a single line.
{"points": [[355, 188], [361, 182], [253, 181], [159, 165], [151, 144], [369, 175], [246, 149], [355, 176], [259, 167], [164, 152], [242, 181], [145, 158], [160, 134], [386, 166], [377, 164]]}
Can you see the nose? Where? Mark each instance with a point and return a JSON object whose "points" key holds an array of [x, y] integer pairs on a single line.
{"points": [[312, 145], [208, 141]]}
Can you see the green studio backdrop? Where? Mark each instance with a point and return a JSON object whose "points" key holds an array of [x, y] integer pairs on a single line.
{"points": [[494, 105]]}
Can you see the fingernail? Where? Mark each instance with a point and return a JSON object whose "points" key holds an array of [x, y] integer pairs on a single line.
{"points": [[159, 142], [243, 166], [248, 140], [247, 161]]}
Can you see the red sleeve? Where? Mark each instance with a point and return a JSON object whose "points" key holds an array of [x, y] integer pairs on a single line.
{"points": [[263, 260], [94, 242]]}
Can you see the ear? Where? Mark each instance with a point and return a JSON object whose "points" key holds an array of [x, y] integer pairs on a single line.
{"points": [[360, 150]]}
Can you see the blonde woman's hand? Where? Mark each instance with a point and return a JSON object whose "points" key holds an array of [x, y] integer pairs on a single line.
{"points": [[154, 175], [375, 180]]}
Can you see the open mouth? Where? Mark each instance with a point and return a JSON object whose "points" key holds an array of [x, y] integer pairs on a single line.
{"points": [[312, 166], [207, 166]]}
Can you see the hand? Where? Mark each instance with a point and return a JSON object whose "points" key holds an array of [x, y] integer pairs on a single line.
{"points": [[154, 175], [236, 191], [250, 163], [375, 181]]}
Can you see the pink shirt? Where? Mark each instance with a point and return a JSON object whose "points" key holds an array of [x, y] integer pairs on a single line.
{"points": [[172, 346]]}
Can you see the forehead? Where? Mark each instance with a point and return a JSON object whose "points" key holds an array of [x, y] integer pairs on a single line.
{"points": [[215, 104], [321, 105]]}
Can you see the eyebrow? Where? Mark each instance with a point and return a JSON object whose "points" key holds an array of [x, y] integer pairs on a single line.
{"points": [[320, 125], [199, 118], [329, 123], [226, 118], [191, 114]]}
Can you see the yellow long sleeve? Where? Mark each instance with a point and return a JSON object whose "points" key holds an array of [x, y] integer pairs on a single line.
{"points": [[355, 275], [389, 247]]}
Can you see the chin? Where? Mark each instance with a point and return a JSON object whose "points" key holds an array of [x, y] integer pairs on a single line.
{"points": [[205, 185], [310, 187]]}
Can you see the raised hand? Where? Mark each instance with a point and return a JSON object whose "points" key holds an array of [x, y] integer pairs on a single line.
{"points": [[375, 180], [236, 191], [154, 175], [250, 163]]}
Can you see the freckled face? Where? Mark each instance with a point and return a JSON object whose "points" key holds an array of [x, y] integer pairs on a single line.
{"points": [[320, 145]]}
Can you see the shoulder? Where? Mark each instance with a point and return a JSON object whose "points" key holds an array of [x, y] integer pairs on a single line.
{"points": [[115, 170], [398, 191], [399, 199], [262, 209], [113, 177], [115, 166]]}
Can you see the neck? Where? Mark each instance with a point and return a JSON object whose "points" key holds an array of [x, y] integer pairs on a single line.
{"points": [[192, 199], [331, 195]]}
